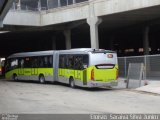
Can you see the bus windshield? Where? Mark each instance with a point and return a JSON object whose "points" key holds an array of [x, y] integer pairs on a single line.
{"points": [[104, 57]]}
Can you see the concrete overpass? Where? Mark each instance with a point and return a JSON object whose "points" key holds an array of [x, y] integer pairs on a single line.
{"points": [[109, 14], [4, 7]]}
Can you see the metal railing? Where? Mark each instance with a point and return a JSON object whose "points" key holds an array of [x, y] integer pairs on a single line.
{"points": [[151, 63], [50, 4]]}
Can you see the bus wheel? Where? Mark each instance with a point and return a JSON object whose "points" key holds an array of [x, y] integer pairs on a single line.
{"points": [[15, 78], [41, 79], [72, 83]]}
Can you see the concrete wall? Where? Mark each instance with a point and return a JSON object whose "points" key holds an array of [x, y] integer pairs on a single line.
{"points": [[76, 12], [105, 7]]}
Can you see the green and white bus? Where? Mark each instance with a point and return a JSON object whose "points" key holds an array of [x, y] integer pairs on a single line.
{"points": [[85, 67]]}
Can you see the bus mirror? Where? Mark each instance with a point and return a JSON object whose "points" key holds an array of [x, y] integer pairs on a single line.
{"points": [[84, 66]]}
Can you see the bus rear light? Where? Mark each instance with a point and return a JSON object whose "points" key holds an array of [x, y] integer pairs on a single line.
{"points": [[117, 74], [92, 74], [110, 55]]}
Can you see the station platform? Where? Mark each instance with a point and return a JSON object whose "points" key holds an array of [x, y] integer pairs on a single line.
{"points": [[152, 87]]}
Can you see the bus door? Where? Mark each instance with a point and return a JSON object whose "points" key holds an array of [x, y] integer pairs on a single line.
{"points": [[21, 67], [62, 66], [78, 64], [21, 71], [34, 66], [81, 63], [77, 74], [34, 71]]}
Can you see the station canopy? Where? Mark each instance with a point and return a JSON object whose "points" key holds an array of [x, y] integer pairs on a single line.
{"points": [[2, 5]]}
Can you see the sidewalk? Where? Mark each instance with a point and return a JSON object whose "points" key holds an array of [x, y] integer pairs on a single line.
{"points": [[152, 87]]}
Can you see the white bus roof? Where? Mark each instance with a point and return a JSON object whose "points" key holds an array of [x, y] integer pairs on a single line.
{"points": [[50, 52], [86, 50], [37, 53]]}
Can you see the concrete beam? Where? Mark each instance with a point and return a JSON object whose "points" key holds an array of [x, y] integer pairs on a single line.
{"points": [[4, 11], [106, 7], [75, 24], [65, 14], [6, 8], [24, 18], [78, 11], [101, 8]]}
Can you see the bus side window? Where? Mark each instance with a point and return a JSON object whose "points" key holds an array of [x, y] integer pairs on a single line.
{"points": [[34, 62], [11, 64], [70, 62], [27, 62], [20, 62], [62, 61], [8, 65], [14, 63], [45, 61], [41, 64], [78, 62], [85, 61], [50, 61]]}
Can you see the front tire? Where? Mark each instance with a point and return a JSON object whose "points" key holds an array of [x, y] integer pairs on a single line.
{"points": [[41, 79], [15, 78]]}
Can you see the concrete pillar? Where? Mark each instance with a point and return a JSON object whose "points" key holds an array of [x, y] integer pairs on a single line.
{"points": [[146, 40], [59, 3], [146, 50], [47, 5], [111, 43], [74, 1], [93, 22], [14, 5], [54, 43], [67, 34], [19, 5], [39, 5]]}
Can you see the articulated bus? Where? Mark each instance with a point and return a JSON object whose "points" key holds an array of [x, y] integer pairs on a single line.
{"points": [[85, 67]]}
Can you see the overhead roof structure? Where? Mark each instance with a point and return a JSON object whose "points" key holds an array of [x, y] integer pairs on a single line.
{"points": [[4, 7]]}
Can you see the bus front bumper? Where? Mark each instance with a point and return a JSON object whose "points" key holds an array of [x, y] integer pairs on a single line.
{"points": [[102, 84]]}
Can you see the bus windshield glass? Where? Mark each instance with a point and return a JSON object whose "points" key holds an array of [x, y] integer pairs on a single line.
{"points": [[105, 57]]}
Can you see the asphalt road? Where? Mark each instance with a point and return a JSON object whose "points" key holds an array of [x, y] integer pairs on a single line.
{"points": [[32, 97]]}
